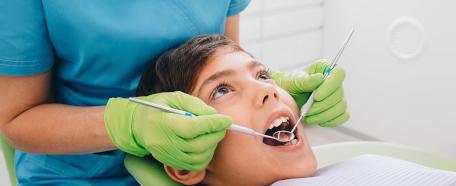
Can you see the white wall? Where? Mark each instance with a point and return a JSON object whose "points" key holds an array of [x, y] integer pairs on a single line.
{"points": [[407, 101], [283, 35]]}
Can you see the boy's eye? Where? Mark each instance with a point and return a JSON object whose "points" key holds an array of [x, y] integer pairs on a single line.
{"points": [[220, 91], [263, 76]]}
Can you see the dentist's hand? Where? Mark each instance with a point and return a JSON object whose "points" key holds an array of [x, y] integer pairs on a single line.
{"points": [[330, 106], [179, 141]]}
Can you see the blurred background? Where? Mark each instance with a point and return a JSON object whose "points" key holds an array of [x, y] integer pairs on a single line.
{"points": [[400, 86]]}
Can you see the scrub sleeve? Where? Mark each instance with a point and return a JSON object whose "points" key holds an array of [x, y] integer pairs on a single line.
{"points": [[98, 50]]}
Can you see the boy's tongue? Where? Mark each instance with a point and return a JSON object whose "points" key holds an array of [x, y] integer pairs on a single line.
{"points": [[272, 142]]}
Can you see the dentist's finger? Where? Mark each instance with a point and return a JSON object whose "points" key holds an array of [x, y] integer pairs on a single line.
{"points": [[318, 66], [328, 114], [331, 83], [304, 83], [339, 120], [331, 100], [203, 165], [200, 143], [197, 158], [190, 127]]}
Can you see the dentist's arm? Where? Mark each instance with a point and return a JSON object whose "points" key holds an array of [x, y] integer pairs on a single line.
{"points": [[32, 123], [232, 28]]}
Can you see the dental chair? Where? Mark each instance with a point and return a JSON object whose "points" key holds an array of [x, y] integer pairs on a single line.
{"points": [[335, 152], [148, 171]]}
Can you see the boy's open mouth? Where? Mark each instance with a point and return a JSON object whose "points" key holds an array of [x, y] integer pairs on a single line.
{"points": [[280, 123]]}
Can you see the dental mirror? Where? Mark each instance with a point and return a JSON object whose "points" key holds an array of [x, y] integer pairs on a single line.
{"points": [[285, 136]]}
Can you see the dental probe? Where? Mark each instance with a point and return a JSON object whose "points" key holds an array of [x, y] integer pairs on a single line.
{"points": [[311, 99], [233, 127]]}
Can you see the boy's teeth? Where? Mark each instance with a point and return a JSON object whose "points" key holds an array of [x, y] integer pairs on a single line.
{"points": [[277, 122], [292, 142]]}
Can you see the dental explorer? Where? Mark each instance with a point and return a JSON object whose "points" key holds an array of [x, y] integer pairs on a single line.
{"points": [[311, 99], [233, 127]]}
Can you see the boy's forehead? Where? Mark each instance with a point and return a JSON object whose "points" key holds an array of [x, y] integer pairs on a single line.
{"points": [[230, 63], [235, 60]]}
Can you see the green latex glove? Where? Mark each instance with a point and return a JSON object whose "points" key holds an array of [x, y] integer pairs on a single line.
{"points": [[179, 141], [330, 106]]}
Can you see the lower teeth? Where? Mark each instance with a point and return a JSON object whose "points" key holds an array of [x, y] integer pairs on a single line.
{"points": [[292, 142]]}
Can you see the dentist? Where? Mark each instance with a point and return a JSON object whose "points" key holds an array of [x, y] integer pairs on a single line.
{"points": [[62, 61]]}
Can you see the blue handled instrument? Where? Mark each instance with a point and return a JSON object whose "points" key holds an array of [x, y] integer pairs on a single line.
{"points": [[233, 127], [311, 99]]}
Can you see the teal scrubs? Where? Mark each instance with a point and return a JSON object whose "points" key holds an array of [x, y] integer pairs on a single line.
{"points": [[98, 50]]}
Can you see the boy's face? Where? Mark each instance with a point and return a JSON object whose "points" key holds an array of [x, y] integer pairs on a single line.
{"points": [[238, 86]]}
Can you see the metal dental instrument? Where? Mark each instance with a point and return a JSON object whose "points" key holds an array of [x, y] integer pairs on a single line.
{"points": [[290, 135], [233, 127]]}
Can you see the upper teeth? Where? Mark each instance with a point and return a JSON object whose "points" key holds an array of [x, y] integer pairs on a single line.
{"points": [[278, 121]]}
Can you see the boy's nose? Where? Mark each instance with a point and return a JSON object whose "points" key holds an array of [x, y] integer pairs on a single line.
{"points": [[265, 94]]}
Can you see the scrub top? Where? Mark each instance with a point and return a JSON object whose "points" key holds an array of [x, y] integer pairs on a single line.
{"points": [[98, 50]]}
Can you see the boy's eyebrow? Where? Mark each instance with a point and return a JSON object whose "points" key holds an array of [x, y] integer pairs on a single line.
{"points": [[214, 77], [254, 63], [224, 73]]}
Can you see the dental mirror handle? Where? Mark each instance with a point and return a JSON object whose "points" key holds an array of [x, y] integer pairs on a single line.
{"points": [[161, 107], [248, 131], [305, 109], [233, 127]]}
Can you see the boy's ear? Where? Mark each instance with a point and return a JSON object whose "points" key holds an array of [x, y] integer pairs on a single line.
{"points": [[185, 177]]}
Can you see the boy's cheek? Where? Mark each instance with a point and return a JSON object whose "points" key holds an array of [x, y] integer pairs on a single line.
{"points": [[288, 100]]}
